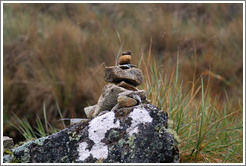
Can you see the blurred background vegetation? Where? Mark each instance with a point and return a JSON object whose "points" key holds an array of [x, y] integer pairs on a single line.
{"points": [[56, 54]]}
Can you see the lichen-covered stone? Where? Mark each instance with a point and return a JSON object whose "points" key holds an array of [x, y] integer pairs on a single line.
{"points": [[115, 74], [140, 136]]}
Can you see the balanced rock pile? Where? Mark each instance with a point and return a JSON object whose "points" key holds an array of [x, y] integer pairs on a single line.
{"points": [[121, 128], [120, 92]]}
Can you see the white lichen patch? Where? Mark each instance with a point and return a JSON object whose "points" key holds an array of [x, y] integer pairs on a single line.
{"points": [[98, 127], [139, 115], [99, 150], [83, 152]]}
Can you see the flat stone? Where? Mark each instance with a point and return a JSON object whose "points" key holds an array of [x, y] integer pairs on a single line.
{"points": [[108, 98], [89, 111], [125, 85], [139, 95], [125, 101], [8, 143], [77, 120], [115, 74]]}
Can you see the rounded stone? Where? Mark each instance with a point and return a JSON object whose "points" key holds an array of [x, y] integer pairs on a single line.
{"points": [[125, 101]]}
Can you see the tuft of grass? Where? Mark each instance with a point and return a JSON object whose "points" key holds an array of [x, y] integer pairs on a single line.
{"points": [[24, 128], [210, 131], [41, 129]]}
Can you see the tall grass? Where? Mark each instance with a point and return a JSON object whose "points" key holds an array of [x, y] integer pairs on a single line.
{"points": [[210, 131]]}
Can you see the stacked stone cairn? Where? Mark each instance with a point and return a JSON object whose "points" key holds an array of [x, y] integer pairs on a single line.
{"points": [[120, 92]]}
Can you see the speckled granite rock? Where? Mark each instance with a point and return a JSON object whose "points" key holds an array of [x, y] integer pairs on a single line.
{"points": [[141, 135]]}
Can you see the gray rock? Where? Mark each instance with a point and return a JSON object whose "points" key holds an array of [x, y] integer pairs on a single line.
{"points": [[108, 98], [8, 143], [115, 74], [141, 136]]}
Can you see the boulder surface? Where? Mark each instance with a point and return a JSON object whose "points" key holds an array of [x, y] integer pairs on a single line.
{"points": [[138, 134]]}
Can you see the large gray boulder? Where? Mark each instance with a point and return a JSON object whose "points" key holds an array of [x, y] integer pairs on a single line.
{"points": [[138, 134]]}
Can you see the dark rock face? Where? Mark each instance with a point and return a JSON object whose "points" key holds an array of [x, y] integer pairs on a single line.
{"points": [[141, 135], [115, 74]]}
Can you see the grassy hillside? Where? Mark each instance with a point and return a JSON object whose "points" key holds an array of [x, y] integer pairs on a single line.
{"points": [[191, 56]]}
